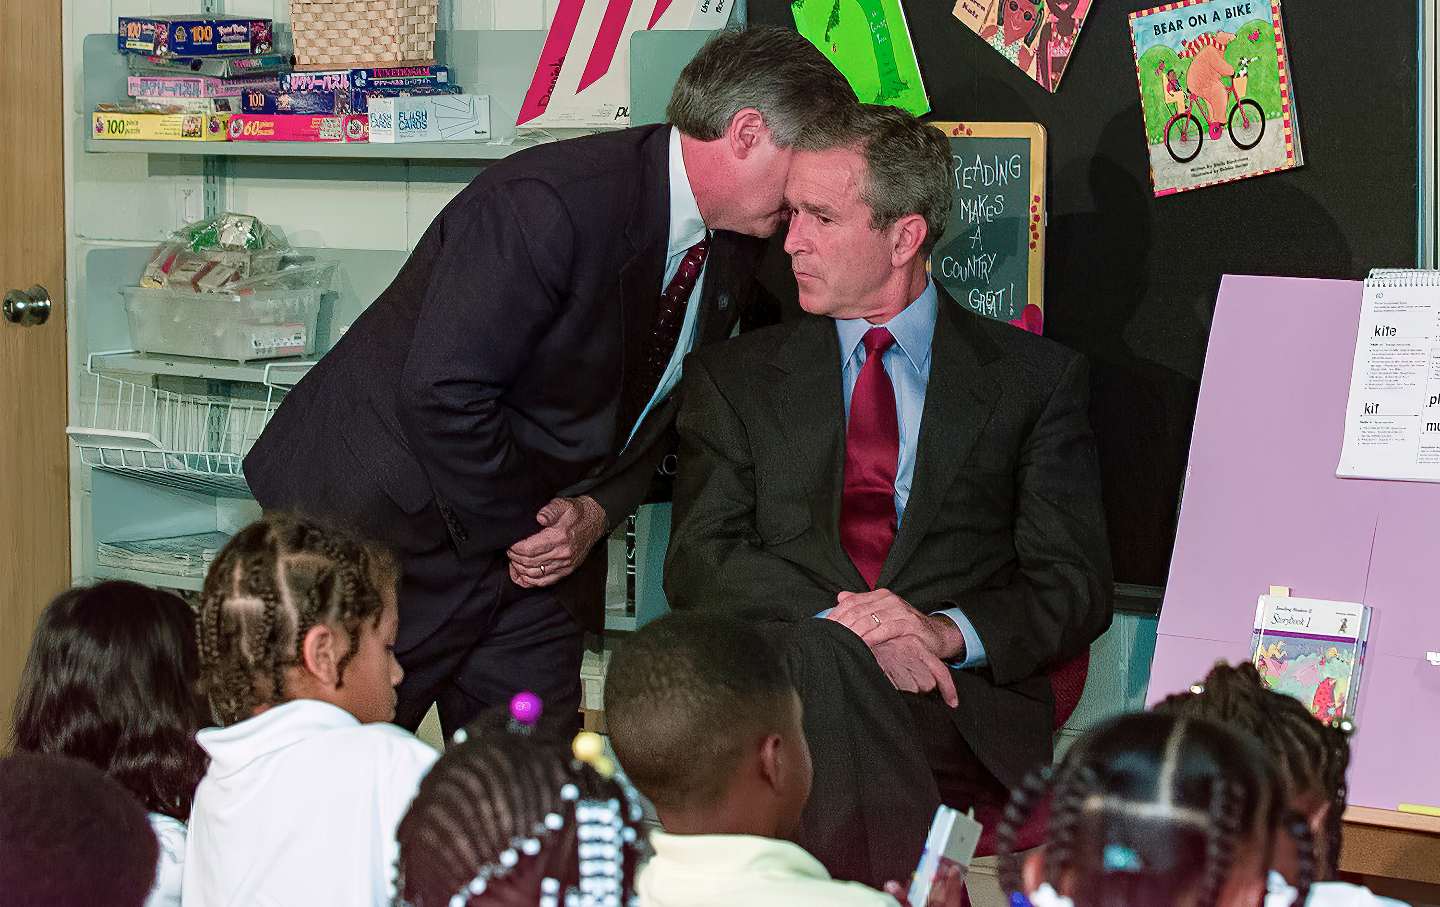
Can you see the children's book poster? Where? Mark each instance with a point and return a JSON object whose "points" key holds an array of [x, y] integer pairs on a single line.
{"points": [[1312, 650], [868, 41], [1038, 36], [1215, 91]]}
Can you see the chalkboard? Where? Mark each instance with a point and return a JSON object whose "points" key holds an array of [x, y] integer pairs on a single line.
{"points": [[1131, 280], [991, 257]]}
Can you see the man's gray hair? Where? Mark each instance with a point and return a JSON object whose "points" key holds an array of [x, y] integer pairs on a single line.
{"points": [[908, 165], [777, 71]]}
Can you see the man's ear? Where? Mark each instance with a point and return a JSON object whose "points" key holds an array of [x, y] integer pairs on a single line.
{"points": [[747, 128], [320, 654], [771, 769], [907, 236]]}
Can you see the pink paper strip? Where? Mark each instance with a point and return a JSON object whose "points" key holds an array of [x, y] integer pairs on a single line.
{"points": [[552, 58], [612, 27]]}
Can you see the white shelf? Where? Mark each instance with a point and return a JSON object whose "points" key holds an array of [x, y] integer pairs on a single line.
{"points": [[451, 151], [282, 373], [163, 580]]}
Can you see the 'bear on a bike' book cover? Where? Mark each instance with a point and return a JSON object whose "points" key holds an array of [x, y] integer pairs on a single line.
{"points": [[1216, 92]]}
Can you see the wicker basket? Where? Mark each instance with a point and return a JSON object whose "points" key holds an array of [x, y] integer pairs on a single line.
{"points": [[339, 33]]}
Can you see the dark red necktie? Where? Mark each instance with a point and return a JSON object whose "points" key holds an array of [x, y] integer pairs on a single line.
{"points": [[872, 455], [671, 317]]}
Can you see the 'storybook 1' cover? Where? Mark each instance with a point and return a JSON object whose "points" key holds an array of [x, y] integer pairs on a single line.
{"points": [[1312, 650], [1038, 36], [868, 41], [1215, 90]]}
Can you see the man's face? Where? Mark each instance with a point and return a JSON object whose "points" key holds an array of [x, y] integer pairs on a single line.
{"points": [[760, 209], [840, 261]]}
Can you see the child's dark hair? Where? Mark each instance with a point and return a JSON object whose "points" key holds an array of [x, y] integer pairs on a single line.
{"points": [[502, 792], [1311, 756], [1148, 808], [112, 678], [683, 697], [71, 836], [274, 581]]}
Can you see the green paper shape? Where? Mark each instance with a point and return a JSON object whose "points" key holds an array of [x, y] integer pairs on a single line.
{"points": [[869, 42]]}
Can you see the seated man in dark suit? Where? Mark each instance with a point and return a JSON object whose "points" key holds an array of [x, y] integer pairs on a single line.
{"points": [[923, 478]]}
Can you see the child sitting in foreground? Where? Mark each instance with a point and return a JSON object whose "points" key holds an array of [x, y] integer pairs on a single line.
{"points": [[708, 726], [306, 782], [1154, 811], [112, 678], [512, 815], [1312, 758]]}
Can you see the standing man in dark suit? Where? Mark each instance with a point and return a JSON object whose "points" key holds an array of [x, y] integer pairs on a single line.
{"points": [[505, 402], [922, 478]]}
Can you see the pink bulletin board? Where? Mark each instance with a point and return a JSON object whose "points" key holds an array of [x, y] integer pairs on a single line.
{"points": [[1262, 507]]}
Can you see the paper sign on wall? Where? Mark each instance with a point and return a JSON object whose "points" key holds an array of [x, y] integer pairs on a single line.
{"points": [[582, 79]]}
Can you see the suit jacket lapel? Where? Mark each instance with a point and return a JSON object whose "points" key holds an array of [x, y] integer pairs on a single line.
{"points": [[647, 233], [810, 404], [727, 286], [959, 399]]}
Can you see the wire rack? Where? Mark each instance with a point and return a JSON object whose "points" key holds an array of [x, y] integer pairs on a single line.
{"points": [[185, 441]]}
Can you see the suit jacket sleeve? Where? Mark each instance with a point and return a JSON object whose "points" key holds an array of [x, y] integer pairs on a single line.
{"points": [[1058, 600], [715, 558], [497, 285], [621, 494]]}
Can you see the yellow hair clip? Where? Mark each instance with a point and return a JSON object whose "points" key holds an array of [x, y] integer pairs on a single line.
{"points": [[589, 748]]}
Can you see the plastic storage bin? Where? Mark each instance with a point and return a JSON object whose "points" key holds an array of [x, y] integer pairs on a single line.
{"points": [[269, 325]]}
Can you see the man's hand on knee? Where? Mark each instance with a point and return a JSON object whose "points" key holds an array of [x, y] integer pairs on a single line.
{"points": [[913, 669], [880, 616]]}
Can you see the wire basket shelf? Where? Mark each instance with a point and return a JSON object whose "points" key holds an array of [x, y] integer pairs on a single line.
{"points": [[188, 442]]}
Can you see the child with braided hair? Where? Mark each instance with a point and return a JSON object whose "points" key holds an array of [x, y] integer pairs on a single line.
{"points": [[1311, 756], [520, 815], [1152, 810], [307, 782]]}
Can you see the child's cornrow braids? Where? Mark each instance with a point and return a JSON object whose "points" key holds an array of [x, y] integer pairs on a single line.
{"points": [[1305, 865], [1144, 807], [1311, 756], [273, 582], [1068, 810], [1224, 828], [487, 793], [1024, 800]]}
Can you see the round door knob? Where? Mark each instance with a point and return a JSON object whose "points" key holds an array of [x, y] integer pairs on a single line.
{"points": [[27, 308]]}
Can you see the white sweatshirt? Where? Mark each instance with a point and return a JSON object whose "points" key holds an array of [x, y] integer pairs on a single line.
{"points": [[299, 807]]}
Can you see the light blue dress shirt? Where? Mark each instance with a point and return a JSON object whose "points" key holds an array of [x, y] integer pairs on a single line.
{"points": [[907, 362], [687, 228]]}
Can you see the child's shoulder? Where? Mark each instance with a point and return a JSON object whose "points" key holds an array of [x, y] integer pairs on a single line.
{"points": [[389, 740]]}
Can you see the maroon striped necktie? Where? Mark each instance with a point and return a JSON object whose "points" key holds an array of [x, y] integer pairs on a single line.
{"points": [[660, 346], [872, 456]]}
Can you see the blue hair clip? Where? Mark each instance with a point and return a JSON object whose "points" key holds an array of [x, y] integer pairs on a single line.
{"points": [[1120, 858]]}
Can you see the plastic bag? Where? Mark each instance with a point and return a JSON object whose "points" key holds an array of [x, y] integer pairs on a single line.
{"points": [[232, 253]]}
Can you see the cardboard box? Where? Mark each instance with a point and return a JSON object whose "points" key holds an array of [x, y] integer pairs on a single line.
{"points": [[189, 87], [286, 127], [452, 118], [195, 36], [363, 79], [219, 67], [177, 127], [337, 103]]}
